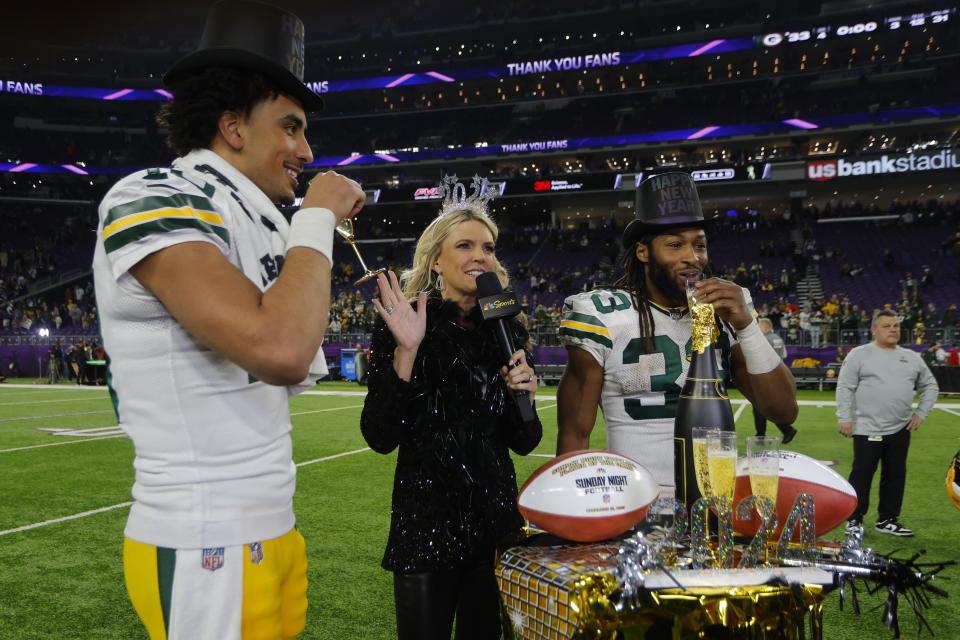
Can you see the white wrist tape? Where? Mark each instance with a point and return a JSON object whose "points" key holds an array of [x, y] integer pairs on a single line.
{"points": [[758, 355], [313, 228]]}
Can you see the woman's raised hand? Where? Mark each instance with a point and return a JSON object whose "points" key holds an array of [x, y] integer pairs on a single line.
{"points": [[408, 325]]}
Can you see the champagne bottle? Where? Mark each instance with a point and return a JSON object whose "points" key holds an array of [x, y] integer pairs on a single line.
{"points": [[703, 400]]}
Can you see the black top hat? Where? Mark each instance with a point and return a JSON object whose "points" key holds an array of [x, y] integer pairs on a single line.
{"points": [[663, 201], [254, 36]]}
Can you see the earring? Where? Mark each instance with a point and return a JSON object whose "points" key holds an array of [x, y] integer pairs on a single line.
{"points": [[439, 283]]}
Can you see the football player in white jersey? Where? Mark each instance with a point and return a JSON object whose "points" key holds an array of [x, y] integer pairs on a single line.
{"points": [[629, 345], [213, 309]]}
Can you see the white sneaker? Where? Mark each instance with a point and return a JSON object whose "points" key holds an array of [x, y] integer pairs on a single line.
{"points": [[892, 527]]}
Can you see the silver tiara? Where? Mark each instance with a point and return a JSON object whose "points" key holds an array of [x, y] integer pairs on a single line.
{"points": [[455, 196]]}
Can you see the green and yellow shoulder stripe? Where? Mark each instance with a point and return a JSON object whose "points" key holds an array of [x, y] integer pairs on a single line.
{"points": [[131, 220], [584, 326]]}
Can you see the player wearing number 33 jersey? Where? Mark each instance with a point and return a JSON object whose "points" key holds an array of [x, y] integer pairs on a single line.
{"points": [[640, 390], [628, 345]]}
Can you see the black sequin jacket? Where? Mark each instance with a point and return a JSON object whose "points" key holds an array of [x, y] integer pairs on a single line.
{"points": [[455, 488]]}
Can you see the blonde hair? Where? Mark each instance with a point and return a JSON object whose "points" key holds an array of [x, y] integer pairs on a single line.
{"points": [[420, 276]]}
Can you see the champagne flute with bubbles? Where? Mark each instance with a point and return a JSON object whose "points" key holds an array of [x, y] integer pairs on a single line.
{"points": [[763, 464], [722, 462], [700, 463]]}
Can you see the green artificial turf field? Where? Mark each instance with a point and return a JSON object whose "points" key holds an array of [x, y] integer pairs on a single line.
{"points": [[65, 499]]}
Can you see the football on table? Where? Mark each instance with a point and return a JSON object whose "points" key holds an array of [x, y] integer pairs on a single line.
{"points": [[587, 496], [834, 499]]}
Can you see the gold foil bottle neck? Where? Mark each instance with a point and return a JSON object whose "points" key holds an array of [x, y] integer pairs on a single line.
{"points": [[704, 326]]}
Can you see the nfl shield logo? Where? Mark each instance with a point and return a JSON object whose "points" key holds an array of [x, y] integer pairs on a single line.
{"points": [[606, 498], [256, 552], [212, 558]]}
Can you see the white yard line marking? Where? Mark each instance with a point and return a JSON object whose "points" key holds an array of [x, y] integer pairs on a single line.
{"points": [[36, 394], [56, 415], [127, 504], [37, 525], [10, 404], [333, 457], [740, 410], [540, 455], [93, 512], [82, 432], [51, 388], [549, 406], [944, 408], [57, 444], [820, 404], [303, 413], [90, 438], [359, 394], [332, 393]]}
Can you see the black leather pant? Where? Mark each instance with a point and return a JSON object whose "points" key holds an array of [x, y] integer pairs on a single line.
{"points": [[427, 602]]}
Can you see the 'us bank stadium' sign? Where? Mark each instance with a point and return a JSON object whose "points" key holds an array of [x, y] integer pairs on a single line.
{"points": [[822, 170]]}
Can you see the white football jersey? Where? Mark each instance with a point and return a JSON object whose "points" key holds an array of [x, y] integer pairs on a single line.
{"points": [[640, 390], [213, 452]]}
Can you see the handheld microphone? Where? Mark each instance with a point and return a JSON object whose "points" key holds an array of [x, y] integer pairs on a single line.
{"points": [[497, 305]]}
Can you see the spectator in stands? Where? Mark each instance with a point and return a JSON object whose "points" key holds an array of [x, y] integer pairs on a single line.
{"points": [[910, 284], [950, 244], [949, 322], [439, 390], [361, 364], [53, 363], [929, 355], [86, 354], [875, 393], [760, 422], [618, 336], [849, 317], [831, 307], [215, 478], [908, 317], [803, 320], [776, 314], [74, 354], [941, 355], [931, 316]]}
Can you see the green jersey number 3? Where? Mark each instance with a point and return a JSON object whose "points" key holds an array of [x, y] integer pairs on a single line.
{"points": [[618, 301], [664, 384]]}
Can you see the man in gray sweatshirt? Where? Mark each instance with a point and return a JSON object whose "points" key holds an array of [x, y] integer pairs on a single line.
{"points": [[874, 406]]}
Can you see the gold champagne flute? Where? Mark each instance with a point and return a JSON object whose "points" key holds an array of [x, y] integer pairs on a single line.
{"points": [[763, 460], [700, 464], [722, 462], [345, 230], [763, 464]]}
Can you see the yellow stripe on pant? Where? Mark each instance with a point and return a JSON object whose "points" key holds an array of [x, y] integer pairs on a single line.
{"points": [[274, 587]]}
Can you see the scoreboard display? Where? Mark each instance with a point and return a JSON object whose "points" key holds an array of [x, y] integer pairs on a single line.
{"points": [[890, 23]]}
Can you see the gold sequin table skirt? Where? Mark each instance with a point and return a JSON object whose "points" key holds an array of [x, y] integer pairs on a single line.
{"points": [[559, 593]]}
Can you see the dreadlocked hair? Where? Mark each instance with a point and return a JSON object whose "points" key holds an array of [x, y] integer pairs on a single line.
{"points": [[634, 280]]}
